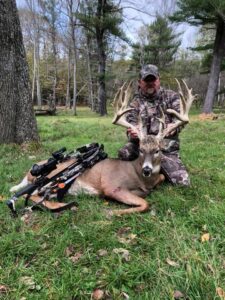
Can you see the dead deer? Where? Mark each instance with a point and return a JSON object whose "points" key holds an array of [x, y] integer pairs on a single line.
{"points": [[129, 182]]}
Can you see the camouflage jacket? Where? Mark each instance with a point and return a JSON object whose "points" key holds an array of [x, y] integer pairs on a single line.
{"points": [[164, 98]]}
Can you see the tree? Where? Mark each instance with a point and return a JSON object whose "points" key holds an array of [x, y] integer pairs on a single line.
{"points": [[36, 21], [17, 121], [104, 22], [51, 13], [72, 25], [30, 23], [202, 12], [159, 44]]}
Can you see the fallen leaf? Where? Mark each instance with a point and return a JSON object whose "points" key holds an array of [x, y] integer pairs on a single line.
{"points": [[170, 213], [204, 227], [85, 270], [153, 212], [97, 294], [205, 237], [172, 263], [28, 281], [102, 252], [223, 264], [189, 269], [140, 287], [123, 230], [130, 238], [44, 246], [75, 257], [2, 197], [69, 250], [220, 292], [32, 157], [102, 223], [125, 295], [210, 268], [125, 254], [3, 289], [178, 295], [56, 263], [74, 208], [27, 217]]}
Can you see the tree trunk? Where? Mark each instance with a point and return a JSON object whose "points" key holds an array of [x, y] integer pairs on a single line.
{"points": [[101, 76], [37, 52], [101, 59], [55, 68], [218, 54], [36, 68], [17, 121], [72, 25], [68, 80], [34, 74], [90, 85], [74, 79]]}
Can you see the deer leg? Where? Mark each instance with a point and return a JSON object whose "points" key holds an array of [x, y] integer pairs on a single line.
{"points": [[126, 197], [159, 180]]}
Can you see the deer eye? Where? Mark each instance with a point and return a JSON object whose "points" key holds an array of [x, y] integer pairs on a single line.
{"points": [[156, 153]]}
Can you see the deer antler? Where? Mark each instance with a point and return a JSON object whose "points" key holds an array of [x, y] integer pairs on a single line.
{"points": [[120, 104], [162, 124], [185, 105]]}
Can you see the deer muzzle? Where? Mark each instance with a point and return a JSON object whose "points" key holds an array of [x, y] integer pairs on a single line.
{"points": [[146, 171]]}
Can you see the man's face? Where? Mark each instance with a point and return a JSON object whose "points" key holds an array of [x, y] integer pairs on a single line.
{"points": [[150, 85]]}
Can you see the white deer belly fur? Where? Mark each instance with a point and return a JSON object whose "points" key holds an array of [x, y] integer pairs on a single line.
{"points": [[79, 187]]}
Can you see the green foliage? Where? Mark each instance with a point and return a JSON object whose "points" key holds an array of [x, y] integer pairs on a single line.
{"points": [[61, 252], [205, 44], [186, 66], [160, 44], [107, 21], [198, 12]]}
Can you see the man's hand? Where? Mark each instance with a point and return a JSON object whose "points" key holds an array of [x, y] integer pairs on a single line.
{"points": [[132, 133]]}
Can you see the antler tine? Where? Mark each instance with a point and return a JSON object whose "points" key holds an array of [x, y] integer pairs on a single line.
{"points": [[190, 96], [161, 124], [117, 101], [182, 98], [120, 105], [185, 105]]}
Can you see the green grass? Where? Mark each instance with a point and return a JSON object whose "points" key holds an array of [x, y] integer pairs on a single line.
{"points": [[61, 252]]}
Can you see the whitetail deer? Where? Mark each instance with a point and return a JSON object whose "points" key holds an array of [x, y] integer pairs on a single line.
{"points": [[129, 182]]}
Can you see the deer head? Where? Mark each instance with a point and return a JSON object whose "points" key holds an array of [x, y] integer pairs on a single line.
{"points": [[150, 145]]}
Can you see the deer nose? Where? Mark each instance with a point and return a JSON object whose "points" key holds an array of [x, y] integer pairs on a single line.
{"points": [[147, 171]]}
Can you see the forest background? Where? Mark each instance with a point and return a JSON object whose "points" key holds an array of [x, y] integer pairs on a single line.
{"points": [[80, 52]]}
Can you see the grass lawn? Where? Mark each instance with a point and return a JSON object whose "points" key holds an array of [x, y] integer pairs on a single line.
{"points": [[177, 247]]}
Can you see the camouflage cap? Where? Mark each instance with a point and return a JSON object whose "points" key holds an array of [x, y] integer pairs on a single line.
{"points": [[148, 70]]}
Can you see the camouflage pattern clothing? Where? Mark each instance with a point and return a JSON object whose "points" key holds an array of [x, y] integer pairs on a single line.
{"points": [[171, 166]]}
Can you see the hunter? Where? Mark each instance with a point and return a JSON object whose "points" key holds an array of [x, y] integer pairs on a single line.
{"points": [[149, 97]]}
